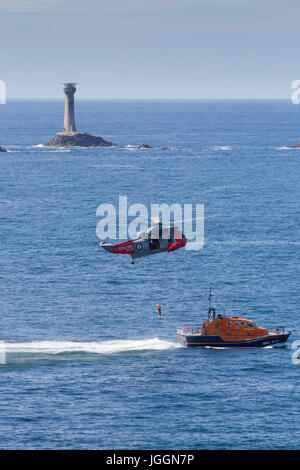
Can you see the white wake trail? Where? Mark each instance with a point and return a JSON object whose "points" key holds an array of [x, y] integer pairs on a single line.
{"points": [[101, 347]]}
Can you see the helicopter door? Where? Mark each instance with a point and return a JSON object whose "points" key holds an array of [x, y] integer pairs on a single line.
{"points": [[154, 244]]}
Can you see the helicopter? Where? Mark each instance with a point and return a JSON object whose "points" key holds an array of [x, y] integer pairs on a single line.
{"points": [[157, 239]]}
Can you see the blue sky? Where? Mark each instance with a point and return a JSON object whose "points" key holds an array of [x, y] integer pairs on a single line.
{"points": [[150, 49]]}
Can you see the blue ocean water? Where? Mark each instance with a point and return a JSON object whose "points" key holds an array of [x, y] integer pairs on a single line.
{"points": [[89, 365]]}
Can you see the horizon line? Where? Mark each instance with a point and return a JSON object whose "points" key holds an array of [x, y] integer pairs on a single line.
{"points": [[146, 99]]}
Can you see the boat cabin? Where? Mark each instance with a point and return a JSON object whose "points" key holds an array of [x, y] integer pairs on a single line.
{"points": [[232, 327]]}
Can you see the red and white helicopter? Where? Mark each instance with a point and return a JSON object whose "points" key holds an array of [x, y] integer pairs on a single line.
{"points": [[156, 239]]}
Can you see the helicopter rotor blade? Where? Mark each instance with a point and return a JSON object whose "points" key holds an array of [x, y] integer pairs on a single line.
{"points": [[156, 221], [178, 221]]}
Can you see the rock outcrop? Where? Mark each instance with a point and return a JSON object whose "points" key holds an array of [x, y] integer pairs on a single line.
{"points": [[144, 146], [77, 139], [169, 148], [2, 149]]}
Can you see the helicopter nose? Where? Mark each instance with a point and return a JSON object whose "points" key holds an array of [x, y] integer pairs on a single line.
{"points": [[178, 244]]}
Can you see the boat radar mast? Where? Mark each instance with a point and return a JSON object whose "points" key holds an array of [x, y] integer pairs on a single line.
{"points": [[211, 308]]}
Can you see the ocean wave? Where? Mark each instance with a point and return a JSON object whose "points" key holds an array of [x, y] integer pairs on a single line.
{"points": [[136, 147], [5, 202], [257, 242], [60, 150], [222, 147]]}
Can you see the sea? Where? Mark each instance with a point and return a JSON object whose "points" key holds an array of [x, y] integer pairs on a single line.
{"points": [[86, 363]]}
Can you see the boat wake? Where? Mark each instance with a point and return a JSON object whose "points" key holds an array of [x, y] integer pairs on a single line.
{"points": [[45, 349], [287, 148]]}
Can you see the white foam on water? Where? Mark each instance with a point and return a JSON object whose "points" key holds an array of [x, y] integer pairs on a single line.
{"points": [[222, 147], [101, 347], [287, 148], [47, 148], [5, 201], [60, 150]]}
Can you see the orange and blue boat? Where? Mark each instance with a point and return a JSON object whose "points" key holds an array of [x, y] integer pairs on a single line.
{"points": [[224, 331]]}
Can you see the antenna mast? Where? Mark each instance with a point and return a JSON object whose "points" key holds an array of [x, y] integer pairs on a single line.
{"points": [[211, 309]]}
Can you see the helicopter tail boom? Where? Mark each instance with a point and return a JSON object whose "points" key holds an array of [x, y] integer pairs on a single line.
{"points": [[124, 248]]}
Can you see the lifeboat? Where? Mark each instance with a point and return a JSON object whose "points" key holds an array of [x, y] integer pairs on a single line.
{"points": [[224, 331]]}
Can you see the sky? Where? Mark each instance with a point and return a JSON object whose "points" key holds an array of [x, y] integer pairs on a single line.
{"points": [[147, 49]]}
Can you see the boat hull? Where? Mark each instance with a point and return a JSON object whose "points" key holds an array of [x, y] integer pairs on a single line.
{"points": [[216, 341]]}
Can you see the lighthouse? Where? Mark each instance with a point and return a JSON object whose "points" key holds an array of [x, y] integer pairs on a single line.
{"points": [[70, 137], [69, 122]]}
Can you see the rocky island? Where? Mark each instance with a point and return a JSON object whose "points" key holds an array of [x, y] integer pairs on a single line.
{"points": [[70, 137], [77, 139]]}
